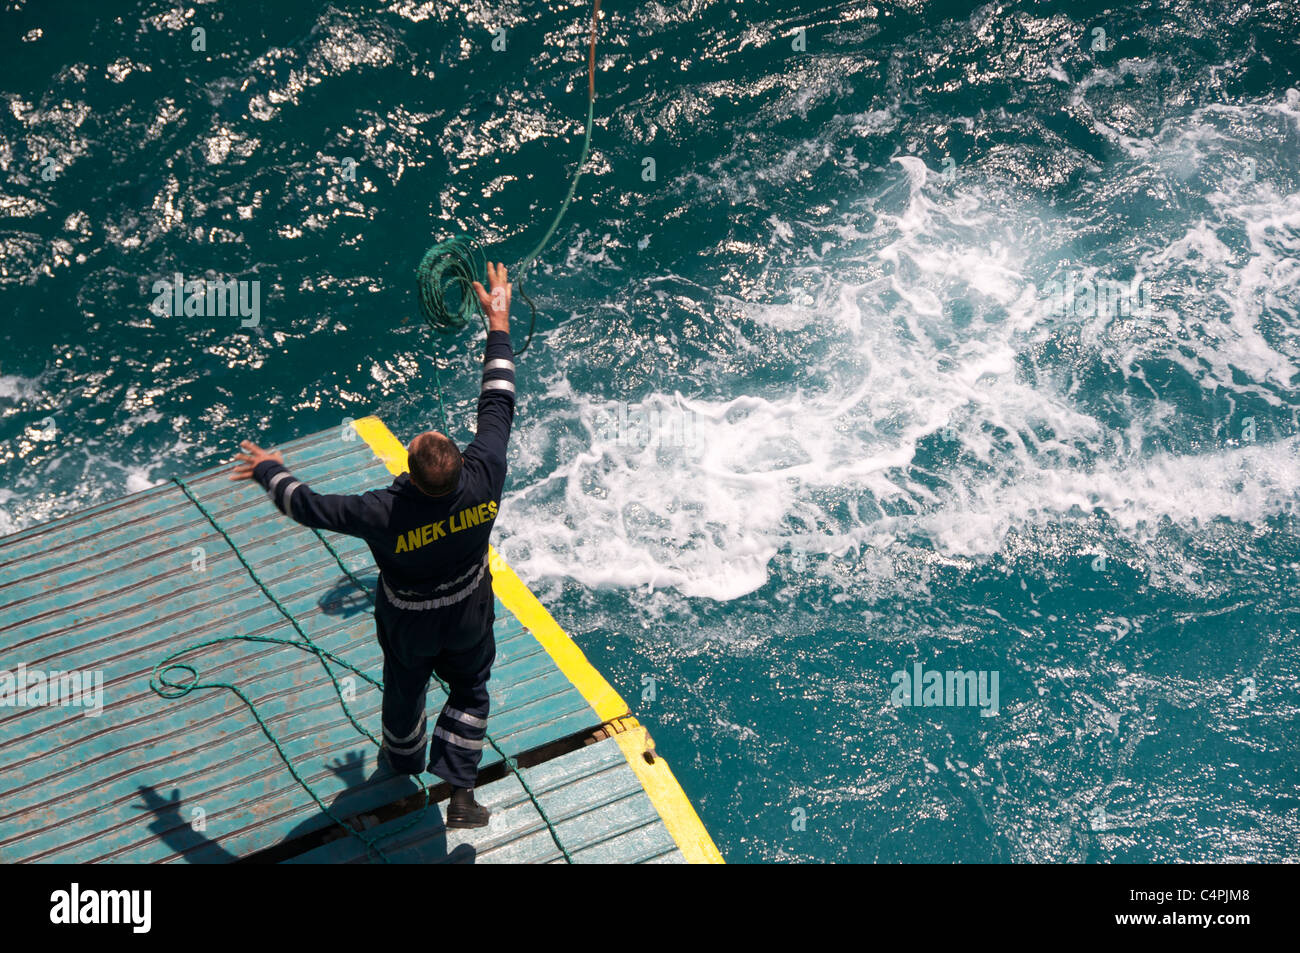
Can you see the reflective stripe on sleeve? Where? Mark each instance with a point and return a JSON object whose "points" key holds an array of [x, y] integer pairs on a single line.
{"points": [[288, 493]]}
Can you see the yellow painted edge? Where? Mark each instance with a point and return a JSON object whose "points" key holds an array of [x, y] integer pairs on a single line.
{"points": [[656, 779], [525, 607], [381, 440], [515, 596], [668, 798]]}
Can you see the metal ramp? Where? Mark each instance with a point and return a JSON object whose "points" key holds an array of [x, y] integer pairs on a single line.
{"points": [[107, 592]]}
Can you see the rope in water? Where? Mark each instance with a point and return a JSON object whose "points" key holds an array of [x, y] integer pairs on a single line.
{"points": [[448, 269], [164, 683]]}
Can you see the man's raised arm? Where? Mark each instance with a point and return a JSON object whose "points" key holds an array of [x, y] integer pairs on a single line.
{"points": [[496, 401]]}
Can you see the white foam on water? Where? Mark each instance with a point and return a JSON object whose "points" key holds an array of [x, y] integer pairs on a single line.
{"points": [[840, 467], [16, 387]]}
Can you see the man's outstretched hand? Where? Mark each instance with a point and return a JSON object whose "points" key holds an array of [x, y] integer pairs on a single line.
{"points": [[250, 459], [496, 303]]}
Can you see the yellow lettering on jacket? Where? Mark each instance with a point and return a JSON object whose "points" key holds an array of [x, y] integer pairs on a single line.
{"points": [[462, 519]]}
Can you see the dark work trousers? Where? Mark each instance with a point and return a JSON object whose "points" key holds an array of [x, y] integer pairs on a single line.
{"points": [[456, 644]]}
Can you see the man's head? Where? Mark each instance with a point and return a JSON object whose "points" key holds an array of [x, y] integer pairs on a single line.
{"points": [[434, 462]]}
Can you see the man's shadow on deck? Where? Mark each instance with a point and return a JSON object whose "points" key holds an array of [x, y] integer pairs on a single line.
{"points": [[344, 599], [194, 846]]}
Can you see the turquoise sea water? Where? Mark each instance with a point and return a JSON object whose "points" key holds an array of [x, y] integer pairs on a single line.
{"points": [[808, 406]]}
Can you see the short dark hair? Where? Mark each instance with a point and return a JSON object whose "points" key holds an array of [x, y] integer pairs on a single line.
{"points": [[434, 462]]}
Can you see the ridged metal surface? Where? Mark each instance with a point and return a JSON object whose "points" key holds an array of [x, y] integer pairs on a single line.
{"points": [[600, 813], [113, 589]]}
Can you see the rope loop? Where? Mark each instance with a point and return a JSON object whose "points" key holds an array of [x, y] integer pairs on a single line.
{"points": [[445, 277], [167, 688]]}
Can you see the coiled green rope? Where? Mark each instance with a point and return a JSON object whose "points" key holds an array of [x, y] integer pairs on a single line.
{"points": [[165, 684], [451, 267]]}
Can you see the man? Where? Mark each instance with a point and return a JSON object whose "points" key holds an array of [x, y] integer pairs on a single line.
{"points": [[429, 533]]}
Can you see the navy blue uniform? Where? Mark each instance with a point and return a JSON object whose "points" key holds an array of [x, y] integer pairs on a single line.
{"points": [[433, 608]]}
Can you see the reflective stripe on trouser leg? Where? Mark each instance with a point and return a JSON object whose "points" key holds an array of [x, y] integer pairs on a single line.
{"points": [[458, 736], [406, 688], [407, 750], [405, 735]]}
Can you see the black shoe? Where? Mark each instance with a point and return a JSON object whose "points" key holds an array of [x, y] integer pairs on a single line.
{"points": [[464, 811]]}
